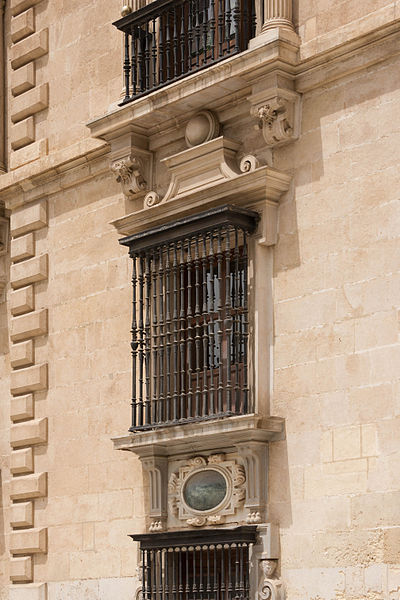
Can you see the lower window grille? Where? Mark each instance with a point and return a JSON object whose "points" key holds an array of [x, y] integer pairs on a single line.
{"points": [[190, 327], [217, 570]]}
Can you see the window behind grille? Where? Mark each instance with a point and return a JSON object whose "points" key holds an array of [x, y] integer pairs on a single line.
{"points": [[190, 323], [207, 565]]}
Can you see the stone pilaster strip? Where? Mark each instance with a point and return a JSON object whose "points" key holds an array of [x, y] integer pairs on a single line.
{"points": [[26, 432]]}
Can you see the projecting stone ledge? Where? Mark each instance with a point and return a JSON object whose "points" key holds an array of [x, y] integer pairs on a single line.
{"points": [[226, 432]]}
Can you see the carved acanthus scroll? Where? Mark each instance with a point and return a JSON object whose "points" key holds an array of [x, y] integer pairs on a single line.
{"points": [[270, 588], [129, 173], [278, 114]]}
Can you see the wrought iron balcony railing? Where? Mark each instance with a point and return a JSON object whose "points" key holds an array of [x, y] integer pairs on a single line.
{"points": [[190, 326], [170, 39]]}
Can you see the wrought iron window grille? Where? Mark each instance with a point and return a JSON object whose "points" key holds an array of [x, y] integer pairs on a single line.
{"points": [[190, 325], [170, 39], [206, 565]]}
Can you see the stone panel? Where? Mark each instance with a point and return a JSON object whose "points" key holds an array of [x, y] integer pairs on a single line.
{"points": [[23, 79], [21, 408], [29, 271], [22, 355], [22, 133], [30, 325], [35, 46], [21, 569], [28, 154], [21, 514], [22, 25], [29, 486], [27, 380], [28, 218], [34, 591], [29, 433], [22, 300], [29, 103], [28, 541], [23, 247], [21, 461]]}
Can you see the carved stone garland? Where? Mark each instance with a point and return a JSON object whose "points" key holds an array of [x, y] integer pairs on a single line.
{"points": [[235, 478]]}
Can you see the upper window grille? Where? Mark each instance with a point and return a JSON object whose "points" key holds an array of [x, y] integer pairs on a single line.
{"points": [[190, 326]]}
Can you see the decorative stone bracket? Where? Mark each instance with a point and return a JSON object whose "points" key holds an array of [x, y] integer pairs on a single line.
{"points": [[254, 456], [278, 113], [157, 470], [269, 588], [133, 172]]}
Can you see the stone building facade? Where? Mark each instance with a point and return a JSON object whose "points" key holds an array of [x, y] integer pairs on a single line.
{"points": [[242, 421]]}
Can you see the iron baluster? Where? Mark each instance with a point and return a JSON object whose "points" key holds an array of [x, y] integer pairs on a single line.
{"points": [[228, 320], [228, 19], [127, 66], [212, 29], [236, 331], [155, 341], [141, 338], [134, 347], [190, 34], [245, 327], [161, 289], [168, 46], [236, 24], [182, 38], [197, 32], [197, 316], [190, 330], [204, 316], [221, 18], [175, 41], [220, 322], [211, 325], [205, 30], [161, 50], [134, 61], [175, 366], [168, 330], [182, 332], [154, 51], [147, 344]]}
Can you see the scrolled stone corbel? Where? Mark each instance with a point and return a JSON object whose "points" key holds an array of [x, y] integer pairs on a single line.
{"points": [[129, 172], [269, 588], [151, 199], [248, 163], [278, 114]]}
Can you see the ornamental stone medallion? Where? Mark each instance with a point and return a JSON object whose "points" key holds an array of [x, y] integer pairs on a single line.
{"points": [[206, 489]]}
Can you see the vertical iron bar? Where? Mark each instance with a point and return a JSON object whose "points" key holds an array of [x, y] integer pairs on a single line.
{"points": [[134, 61], [148, 574], [182, 332], [147, 56], [173, 574], [140, 59], [228, 19], [168, 46], [236, 24], [220, 323], [168, 410], [194, 584], [154, 51], [228, 320], [161, 50], [175, 44], [175, 366], [166, 575], [190, 331], [190, 34], [141, 337], [205, 30], [212, 29], [211, 326], [197, 325], [205, 410], [161, 292], [155, 342], [187, 586], [127, 67], [147, 344], [245, 328], [180, 580], [134, 347], [201, 582], [236, 317], [197, 32], [182, 38], [208, 589], [241, 580], [236, 571], [223, 586], [221, 18], [229, 571]]}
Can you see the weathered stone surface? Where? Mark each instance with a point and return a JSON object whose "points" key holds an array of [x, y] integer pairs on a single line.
{"points": [[34, 46], [28, 218], [30, 325], [29, 433], [31, 379], [21, 408], [29, 271], [22, 300], [29, 486], [22, 247]]}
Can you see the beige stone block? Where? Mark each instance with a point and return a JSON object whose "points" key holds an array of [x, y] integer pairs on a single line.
{"points": [[23, 247], [32, 47], [376, 330], [21, 461], [17, 6], [22, 355], [29, 591], [327, 446], [22, 25], [22, 133], [21, 408], [23, 79], [391, 541], [346, 466], [29, 486], [369, 440], [29, 103], [346, 443], [30, 325], [21, 514], [31, 379], [22, 300], [28, 154], [29, 433], [28, 541], [28, 218], [21, 569], [29, 271]]}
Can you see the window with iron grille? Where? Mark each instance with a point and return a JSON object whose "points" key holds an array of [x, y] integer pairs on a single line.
{"points": [[207, 565], [190, 325]]}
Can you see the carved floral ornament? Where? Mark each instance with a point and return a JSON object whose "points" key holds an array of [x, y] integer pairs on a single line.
{"points": [[129, 173], [278, 115], [206, 490]]}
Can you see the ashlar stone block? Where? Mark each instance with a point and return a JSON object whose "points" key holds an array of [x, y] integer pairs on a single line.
{"points": [[29, 433], [22, 133], [31, 379], [22, 25], [29, 591], [28, 541], [17, 6], [23, 79], [22, 408], [29, 271], [21, 514], [22, 300], [21, 461], [29, 103], [27, 326], [23, 247], [21, 569], [22, 354], [34, 46], [28, 218], [28, 154], [29, 486]]}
